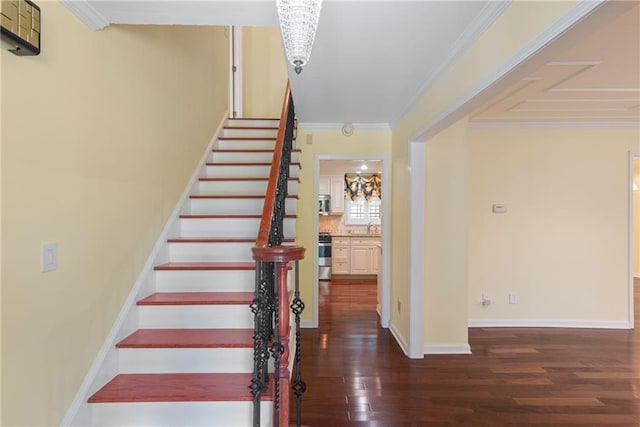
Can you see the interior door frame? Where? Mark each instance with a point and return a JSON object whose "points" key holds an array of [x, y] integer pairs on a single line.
{"points": [[386, 259], [633, 155]]}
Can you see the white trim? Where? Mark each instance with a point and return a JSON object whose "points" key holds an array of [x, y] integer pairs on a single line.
{"points": [[568, 20], [448, 349], [632, 155], [238, 75], [399, 338], [86, 13], [364, 127], [555, 125], [417, 250], [94, 373], [549, 323], [308, 324], [486, 17]]}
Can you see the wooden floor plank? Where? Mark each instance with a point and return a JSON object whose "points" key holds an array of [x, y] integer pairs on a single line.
{"points": [[357, 375]]}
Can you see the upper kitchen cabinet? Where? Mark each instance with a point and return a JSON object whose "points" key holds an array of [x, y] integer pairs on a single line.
{"points": [[333, 185]]}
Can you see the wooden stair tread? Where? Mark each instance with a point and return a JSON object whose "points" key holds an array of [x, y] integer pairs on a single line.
{"points": [[233, 196], [252, 127], [236, 216], [249, 150], [188, 338], [220, 240], [206, 266], [198, 387], [245, 164], [197, 298], [244, 179], [245, 138]]}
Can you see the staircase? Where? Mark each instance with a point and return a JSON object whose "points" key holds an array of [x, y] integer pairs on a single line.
{"points": [[190, 360]]}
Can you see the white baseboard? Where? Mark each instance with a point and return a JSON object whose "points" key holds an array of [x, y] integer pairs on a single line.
{"points": [[548, 323], [308, 324], [399, 338], [448, 349], [106, 354]]}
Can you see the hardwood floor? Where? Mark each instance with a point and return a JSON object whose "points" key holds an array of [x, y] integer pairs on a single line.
{"points": [[357, 375]]}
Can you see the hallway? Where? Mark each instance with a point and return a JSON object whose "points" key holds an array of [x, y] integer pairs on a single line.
{"points": [[357, 375]]}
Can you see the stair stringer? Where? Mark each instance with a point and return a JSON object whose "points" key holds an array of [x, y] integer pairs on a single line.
{"points": [[105, 364]]}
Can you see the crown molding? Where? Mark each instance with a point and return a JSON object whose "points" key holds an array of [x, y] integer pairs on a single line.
{"points": [[364, 127], [86, 13], [483, 20], [561, 25], [556, 125]]}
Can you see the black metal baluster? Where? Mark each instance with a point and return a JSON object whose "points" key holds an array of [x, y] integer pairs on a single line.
{"points": [[276, 353], [299, 386]]}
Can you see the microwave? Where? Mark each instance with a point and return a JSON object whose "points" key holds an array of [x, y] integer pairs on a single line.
{"points": [[324, 204]]}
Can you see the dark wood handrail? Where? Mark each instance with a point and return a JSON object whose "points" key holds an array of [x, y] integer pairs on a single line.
{"points": [[262, 240], [273, 301]]}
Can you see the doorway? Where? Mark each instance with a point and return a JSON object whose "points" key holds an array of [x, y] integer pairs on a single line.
{"points": [[357, 226]]}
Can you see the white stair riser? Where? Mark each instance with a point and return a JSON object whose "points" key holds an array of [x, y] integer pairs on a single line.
{"points": [[250, 171], [247, 144], [259, 123], [250, 133], [239, 157], [195, 316], [205, 281], [184, 360], [228, 227], [183, 252], [235, 206], [240, 187], [213, 414]]}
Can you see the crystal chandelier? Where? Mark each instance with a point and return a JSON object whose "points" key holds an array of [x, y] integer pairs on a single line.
{"points": [[298, 24]]}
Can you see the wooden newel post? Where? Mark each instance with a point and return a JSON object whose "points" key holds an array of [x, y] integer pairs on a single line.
{"points": [[281, 256]]}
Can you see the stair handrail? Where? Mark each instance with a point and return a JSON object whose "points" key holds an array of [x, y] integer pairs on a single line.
{"points": [[272, 300]]}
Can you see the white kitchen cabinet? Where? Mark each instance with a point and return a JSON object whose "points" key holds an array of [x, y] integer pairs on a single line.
{"points": [[364, 255], [337, 194], [333, 185], [340, 253]]}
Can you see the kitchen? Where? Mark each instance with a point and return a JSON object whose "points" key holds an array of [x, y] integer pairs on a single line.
{"points": [[350, 222]]}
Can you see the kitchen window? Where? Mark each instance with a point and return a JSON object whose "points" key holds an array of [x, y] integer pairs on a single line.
{"points": [[361, 212]]}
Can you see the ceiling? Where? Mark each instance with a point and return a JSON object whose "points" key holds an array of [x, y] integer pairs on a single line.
{"points": [[372, 60], [594, 82]]}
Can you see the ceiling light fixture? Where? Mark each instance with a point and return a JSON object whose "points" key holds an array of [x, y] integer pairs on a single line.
{"points": [[298, 24]]}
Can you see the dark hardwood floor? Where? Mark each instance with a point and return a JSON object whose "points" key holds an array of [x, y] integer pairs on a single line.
{"points": [[357, 375]]}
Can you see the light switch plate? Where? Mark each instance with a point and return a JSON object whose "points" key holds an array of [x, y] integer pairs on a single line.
{"points": [[49, 257], [499, 208]]}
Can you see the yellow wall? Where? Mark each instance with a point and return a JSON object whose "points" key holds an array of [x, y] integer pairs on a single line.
{"points": [[100, 134], [326, 142], [636, 217], [264, 72], [445, 307], [562, 245], [519, 23]]}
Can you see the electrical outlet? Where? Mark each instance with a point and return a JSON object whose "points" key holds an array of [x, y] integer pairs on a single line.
{"points": [[513, 298], [486, 299]]}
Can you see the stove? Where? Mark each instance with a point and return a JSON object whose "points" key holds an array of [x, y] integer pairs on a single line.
{"points": [[324, 256]]}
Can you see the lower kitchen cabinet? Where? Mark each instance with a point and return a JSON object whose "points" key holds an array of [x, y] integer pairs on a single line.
{"points": [[364, 255], [340, 256]]}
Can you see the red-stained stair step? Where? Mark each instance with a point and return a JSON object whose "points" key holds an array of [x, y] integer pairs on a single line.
{"points": [[248, 150], [220, 240], [197, 298], [234, 196], [206, 266], [244, 138], [242, 179], [188, 338], [211, 216], [197, 387]]}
